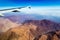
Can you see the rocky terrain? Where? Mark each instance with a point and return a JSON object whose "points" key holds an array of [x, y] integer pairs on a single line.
{"points": [[29, 30], [6, 24]]}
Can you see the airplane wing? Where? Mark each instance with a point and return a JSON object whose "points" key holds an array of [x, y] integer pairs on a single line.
{"points": [[9, 10]]}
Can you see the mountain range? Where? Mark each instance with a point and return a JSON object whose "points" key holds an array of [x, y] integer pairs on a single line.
{"points": [[30, 30]]}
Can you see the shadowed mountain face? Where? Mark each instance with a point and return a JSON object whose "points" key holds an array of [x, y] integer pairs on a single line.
{"points": [[44, 26]]}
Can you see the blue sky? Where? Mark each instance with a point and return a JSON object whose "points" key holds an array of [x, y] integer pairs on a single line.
{"points": [[7, 3]]}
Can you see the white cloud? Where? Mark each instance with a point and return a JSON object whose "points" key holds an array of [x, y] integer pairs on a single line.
{"points": [[52, 11]]}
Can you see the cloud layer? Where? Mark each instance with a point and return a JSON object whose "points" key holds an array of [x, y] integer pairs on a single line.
{"points": [[50, 11]]}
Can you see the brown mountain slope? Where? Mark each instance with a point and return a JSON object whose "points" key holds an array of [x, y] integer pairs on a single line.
{"points": [[18, 33], [6, 24]]}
